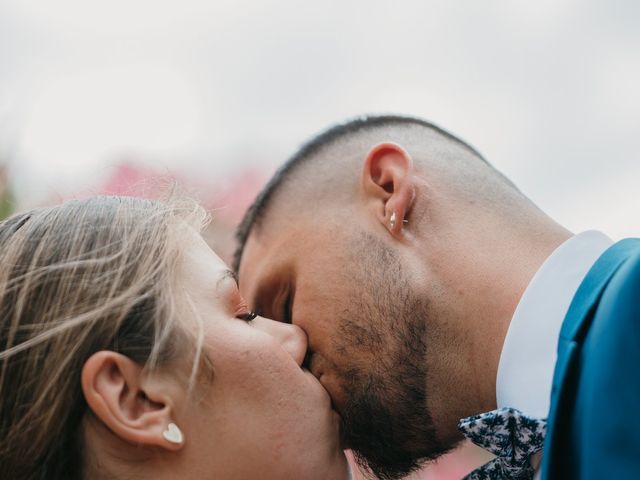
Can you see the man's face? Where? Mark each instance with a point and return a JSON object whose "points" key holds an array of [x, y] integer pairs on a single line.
{"points": [[367, 333]]}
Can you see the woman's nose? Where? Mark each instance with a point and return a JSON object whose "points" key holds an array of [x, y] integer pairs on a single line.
{"points": [[291, 337]]}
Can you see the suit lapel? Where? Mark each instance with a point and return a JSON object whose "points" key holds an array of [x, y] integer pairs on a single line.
{"points": [[586, 298], [574, 328]]}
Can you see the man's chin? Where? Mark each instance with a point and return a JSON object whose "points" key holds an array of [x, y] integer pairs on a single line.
{"points": [[401, 465], [390, 471], [379, 452]]}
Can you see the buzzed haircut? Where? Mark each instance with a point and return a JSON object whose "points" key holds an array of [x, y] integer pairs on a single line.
{"points": [[312, 148]]}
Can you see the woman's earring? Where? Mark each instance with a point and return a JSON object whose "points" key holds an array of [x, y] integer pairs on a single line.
{"points": [[392, 220], [173, 434]]}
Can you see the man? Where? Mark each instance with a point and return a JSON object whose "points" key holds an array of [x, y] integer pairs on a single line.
{"points": [[431, 290]]}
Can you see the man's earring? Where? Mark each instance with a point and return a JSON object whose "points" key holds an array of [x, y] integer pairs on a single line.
{"points": [[392, 220], [173, 434]]}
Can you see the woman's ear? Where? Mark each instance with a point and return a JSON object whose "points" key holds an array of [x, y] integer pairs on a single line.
{"points": [[132, 406], [387, 183]]}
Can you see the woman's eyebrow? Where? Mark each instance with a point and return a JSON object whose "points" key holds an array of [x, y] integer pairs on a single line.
{"points": [[227, 274]]}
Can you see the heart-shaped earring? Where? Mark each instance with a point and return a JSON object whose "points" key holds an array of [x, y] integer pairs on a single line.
{"points": [[173, 434]]}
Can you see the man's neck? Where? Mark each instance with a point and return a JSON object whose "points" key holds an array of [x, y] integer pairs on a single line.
{"points": [[528, 356], [519, 264]]}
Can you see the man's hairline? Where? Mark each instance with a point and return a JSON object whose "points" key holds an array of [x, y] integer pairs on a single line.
{"points": [[302, 157]]}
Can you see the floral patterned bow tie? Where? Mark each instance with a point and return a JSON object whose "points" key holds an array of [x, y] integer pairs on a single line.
{"points": [[511, 436]]}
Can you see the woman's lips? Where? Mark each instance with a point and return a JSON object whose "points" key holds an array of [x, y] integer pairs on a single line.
{"points": [[329, 402], [327, 379]]}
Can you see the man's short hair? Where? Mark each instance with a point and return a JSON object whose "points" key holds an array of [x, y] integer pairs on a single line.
{"points": [[312, 148]]}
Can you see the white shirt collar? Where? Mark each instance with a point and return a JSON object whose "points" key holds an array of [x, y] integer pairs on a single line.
{"points": [[528, 357]]}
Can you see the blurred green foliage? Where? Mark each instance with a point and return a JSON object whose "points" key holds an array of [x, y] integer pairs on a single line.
{"points": [[6, 194], [6, 203]]}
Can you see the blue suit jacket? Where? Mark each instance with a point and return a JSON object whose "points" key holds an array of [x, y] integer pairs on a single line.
{"points": [[594, 420]]}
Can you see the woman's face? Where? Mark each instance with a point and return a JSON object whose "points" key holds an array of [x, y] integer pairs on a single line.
{"points": [[262, 416]]}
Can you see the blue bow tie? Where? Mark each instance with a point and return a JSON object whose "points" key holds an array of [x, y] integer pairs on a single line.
{"points": [[511, 436]]}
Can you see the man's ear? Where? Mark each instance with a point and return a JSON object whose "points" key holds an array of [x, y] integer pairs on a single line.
{"points": [[133, 407], [387, 182]]}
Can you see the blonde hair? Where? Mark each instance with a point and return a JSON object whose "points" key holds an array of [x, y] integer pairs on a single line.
{"points": [[77, 278]]}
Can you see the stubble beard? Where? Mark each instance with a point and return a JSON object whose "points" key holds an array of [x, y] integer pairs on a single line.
{"points": [[386, 420]]}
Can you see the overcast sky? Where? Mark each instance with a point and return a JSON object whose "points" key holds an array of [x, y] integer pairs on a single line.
{"points": [[547, 90]]}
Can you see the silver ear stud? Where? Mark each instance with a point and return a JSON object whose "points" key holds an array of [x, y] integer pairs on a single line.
{"points": [[392, 220]]}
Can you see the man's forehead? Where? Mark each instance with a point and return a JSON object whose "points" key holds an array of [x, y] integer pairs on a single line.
{"points": [[277, 237], [276, 250], [265, 255], [283, 244]]}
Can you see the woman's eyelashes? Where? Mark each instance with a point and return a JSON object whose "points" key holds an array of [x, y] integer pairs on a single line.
{"points": [[247, 317], [243, 312]]}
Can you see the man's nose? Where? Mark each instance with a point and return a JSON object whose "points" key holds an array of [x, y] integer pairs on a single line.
{"points": [[291, 337]]}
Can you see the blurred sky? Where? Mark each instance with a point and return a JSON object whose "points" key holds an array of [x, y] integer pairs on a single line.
{"points": [[548, 90]]}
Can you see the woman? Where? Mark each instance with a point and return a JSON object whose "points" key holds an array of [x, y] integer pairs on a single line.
{"points": [[126, 351]]}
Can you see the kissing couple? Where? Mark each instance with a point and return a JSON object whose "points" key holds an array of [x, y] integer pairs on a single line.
{"points": [[391, 293]]}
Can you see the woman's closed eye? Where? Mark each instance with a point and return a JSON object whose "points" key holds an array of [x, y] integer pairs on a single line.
{"points": [[243, 312], [248, 316]]}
